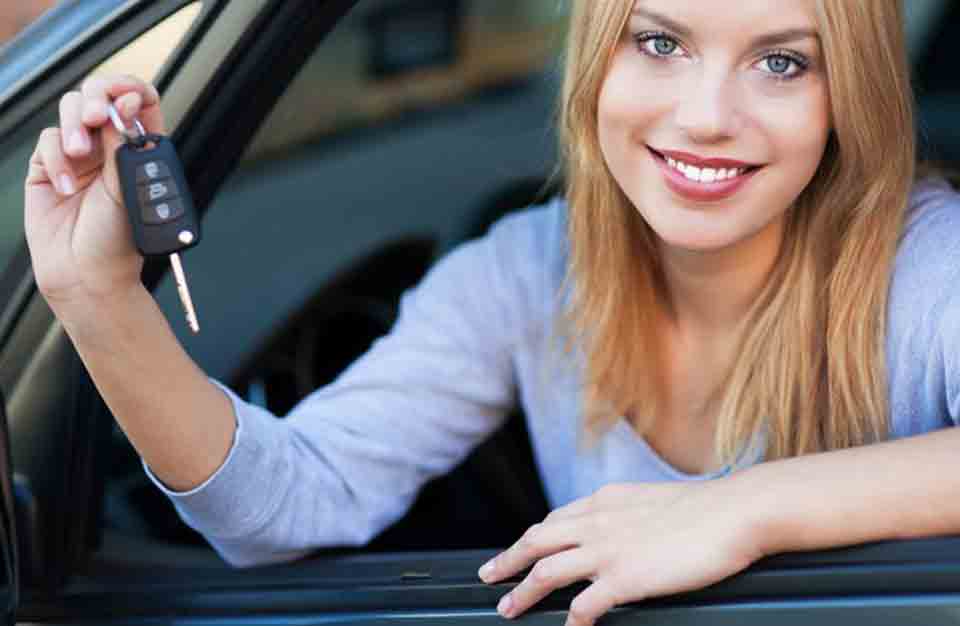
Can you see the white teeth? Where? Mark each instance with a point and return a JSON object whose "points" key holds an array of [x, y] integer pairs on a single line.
{"points": [[706, 174]]}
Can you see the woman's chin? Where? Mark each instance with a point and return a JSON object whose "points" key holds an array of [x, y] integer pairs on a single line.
{"points": [[692, 241]]}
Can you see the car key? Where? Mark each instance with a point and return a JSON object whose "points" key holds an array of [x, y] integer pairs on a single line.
{"points": [[158, 201]]}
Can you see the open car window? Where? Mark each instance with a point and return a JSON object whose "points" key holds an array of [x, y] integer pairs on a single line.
{"points": [[378, 157]]}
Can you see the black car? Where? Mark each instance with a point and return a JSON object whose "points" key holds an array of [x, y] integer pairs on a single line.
{"points": [[335, 148]]}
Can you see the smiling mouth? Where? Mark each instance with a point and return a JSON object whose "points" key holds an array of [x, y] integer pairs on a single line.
{"points": [[705, 175]]}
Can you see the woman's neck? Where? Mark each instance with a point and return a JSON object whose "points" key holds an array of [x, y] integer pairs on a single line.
{"points": [[710, 293]]}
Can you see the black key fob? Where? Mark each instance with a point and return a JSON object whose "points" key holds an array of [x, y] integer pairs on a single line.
{"points": [[156, 195], [158, 201]]}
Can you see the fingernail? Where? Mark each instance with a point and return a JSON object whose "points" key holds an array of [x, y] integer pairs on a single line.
{"points": [[486, 570], [93, 111], [78, 142], [505, 605], [66, 185], [126, 108]]}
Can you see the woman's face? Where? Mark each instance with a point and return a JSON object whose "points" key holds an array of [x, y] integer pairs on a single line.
{"points": [[714, 116]]}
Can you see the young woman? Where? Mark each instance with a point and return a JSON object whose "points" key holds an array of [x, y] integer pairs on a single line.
{"points": [[743, 269]]}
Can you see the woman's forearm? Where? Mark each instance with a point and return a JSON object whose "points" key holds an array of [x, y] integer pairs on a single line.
{"points": [[900, 489], [178, 421]]}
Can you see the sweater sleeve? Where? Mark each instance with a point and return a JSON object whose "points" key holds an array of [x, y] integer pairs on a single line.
{"points": [[350, 458]]}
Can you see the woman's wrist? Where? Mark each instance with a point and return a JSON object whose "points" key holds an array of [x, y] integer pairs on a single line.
{"points": [[758, 511], [95, 319]]}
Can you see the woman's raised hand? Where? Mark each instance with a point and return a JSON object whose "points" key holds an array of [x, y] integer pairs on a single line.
{"points": [[77, 229]]}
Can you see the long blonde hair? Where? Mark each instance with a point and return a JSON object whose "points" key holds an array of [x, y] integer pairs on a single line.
{"points": [[810, 373]]}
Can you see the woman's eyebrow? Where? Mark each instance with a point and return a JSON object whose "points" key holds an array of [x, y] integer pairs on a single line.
{"points": [[664, 21], [763, 41]]}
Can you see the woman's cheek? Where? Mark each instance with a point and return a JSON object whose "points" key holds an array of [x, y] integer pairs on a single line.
{"points": [[637, 87], [631, 103], [791, 107], [798, 150]]}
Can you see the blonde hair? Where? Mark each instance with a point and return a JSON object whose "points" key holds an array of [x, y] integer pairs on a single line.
{"points": [[810, 373]]}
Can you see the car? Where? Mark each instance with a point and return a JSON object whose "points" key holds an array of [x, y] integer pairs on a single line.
{"points": [[335, 149]]}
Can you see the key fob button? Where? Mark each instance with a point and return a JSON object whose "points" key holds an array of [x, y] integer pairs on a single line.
{"points": [[157, 191], [163, 211], [152, 170]]}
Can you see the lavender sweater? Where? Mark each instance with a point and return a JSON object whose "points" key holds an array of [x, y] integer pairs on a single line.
{"points": [[472, 340]]}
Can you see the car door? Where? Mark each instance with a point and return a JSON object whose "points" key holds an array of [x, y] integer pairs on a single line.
{"points": [[279, 139]]}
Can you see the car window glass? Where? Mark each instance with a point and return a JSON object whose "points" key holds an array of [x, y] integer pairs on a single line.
{"points": [[388, 59], [143, 57]]}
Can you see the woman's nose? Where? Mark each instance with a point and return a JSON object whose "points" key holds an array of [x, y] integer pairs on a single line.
{"points": [[708, 111]]}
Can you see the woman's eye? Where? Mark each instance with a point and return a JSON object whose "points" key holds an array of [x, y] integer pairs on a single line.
{"points": [[783, 65], [658, 45]]}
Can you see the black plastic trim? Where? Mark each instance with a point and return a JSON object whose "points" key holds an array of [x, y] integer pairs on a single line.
{"points": [[208, 14], [16, 288], [10, 581], [447, 581]]}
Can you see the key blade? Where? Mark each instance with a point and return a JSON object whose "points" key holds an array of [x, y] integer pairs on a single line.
{"points": [[184, 292]]}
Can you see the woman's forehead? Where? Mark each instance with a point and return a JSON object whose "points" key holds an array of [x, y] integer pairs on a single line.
{"points": [[743, 15]]}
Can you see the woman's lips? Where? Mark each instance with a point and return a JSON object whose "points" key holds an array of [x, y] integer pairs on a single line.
{"points": [[709, 189]]}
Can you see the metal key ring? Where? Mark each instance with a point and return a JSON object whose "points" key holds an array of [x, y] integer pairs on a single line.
{"points": [[138, 139]]}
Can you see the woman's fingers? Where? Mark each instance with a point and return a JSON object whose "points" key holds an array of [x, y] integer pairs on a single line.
{"points": [[591, 604], [80, 145], [67, 156], [74, 135], [553, 572], [53, 163], [132, 97], [129, 104], [539, 541], [99, 91]]}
